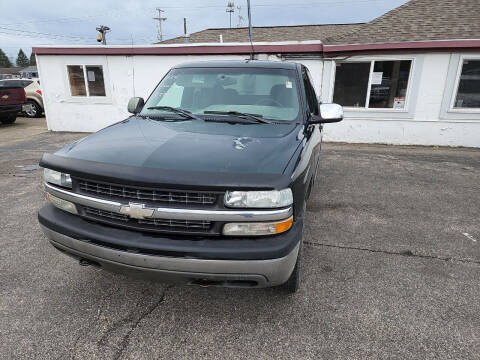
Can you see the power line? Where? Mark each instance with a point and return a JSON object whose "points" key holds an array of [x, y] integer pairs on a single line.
{"points": [[111, 13], [121, 13], [44, 21], [37, 37], [115, 13], [27, 33], [8, 30], [128, 14], [280, 5], [53, 37]]}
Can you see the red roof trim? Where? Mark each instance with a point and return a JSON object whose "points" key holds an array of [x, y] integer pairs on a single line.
{"points": [[180, 50], [420, 45], [460, 45]]}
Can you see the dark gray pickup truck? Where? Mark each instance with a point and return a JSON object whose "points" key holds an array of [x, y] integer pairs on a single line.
{"points": [[206, 183], [12, 100]]}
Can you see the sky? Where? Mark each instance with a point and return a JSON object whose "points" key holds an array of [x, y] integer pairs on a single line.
{"points": [[26, 23]]}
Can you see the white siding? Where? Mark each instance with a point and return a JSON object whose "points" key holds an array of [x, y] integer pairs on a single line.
{"points": [[426, 121], [421, 123]]}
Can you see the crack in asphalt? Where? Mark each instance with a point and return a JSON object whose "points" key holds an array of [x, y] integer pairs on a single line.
{"points": [[126, 339], [89, 327], [407, 253]]}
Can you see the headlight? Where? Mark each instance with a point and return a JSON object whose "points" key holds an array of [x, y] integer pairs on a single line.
{"points": [[259, 199], [256, 229], [57, 178]]}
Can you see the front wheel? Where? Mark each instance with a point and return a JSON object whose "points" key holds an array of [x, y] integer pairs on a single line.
{"points": [[8, 119]]}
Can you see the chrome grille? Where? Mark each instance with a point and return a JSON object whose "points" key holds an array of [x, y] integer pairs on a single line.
{"points": [[189, 224], [105, 214], [145, 194], [183, 225]]}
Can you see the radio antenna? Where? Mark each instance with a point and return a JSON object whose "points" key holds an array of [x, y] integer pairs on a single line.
{"points": [[250, 30]]}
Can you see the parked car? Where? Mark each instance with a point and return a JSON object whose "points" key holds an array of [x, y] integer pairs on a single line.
{"points": [[12, 99], [206, 183], [34, 106]]}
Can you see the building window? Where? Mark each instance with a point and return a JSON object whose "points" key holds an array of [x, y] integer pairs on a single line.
{"points": [[77, 80], [373, 84], [351, 84], [468, 88], [86, 80]]}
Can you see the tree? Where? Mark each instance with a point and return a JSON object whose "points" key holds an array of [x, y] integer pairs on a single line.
{"points": [[33, 61], [22, 59], [4, 60]]}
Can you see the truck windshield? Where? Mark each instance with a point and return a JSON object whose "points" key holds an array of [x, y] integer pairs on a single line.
{"points": [[266, 93]]}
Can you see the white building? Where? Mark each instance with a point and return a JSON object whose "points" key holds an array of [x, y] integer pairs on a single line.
{"points": [[417, 84]]}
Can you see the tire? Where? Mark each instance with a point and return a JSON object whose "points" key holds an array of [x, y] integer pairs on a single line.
{"points": [[293, 283], [309, 190], [311, 184], [35, 109], [8, 119]]}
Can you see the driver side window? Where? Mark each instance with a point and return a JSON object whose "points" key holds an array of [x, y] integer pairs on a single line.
{"points": [[310, 92]]}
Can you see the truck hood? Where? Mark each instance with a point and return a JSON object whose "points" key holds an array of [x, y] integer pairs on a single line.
{"points": [[192, 145]]}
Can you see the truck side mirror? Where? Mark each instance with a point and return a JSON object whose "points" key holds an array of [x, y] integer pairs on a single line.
{"points": [[329, 113], [135, 105]]}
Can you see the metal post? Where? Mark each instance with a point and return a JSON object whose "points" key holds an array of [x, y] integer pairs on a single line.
{"points": [[185, 34]]}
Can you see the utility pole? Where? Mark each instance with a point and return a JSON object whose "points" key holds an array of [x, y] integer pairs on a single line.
{"points": [[102, 34], [240, 17], [160, 20], [230, 10]]}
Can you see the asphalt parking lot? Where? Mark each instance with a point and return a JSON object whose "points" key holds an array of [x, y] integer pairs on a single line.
{"points": [[392, 270]]}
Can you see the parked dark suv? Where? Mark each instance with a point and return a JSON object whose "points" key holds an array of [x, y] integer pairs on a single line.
{"points": [[206, 183]]}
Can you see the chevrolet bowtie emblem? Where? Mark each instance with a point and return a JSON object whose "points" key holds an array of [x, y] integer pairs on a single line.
{"points": [[136, 211], [5, 97]]}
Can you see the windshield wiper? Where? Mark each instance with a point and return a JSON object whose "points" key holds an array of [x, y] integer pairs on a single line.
{"points": [[255, 117], [182, 112]]}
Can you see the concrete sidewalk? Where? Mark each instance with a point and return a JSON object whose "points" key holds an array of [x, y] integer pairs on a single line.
{"points": [[392, 269]]}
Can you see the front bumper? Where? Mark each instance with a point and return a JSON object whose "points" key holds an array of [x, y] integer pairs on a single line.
{"points": [[260, 262]]}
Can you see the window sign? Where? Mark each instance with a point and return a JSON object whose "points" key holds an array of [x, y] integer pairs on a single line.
{"points": [[377, 78], [399, 103], [91, 76], [387, 88]]}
